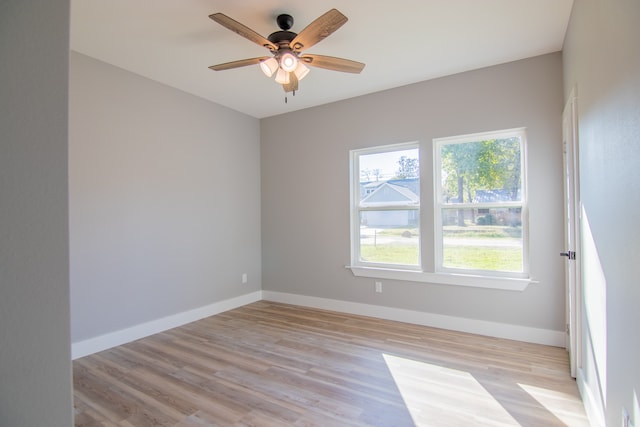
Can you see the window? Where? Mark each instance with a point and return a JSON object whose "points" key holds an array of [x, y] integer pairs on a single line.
{"points": [[479, 233], [386, 206], [480, 204]]}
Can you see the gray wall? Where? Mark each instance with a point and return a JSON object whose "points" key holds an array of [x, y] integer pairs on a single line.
{"points": [[164, 193], [305, 187], [602, 61], [35, 360]]}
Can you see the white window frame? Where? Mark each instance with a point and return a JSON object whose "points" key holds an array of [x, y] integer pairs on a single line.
{"points": [[356, 260], [481, 279], [439, 203]]}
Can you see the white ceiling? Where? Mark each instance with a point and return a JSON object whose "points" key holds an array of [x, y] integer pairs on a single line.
{"points": [[401, 42]]}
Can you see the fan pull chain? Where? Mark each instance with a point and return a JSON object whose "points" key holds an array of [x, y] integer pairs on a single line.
{"points": [[285, 96]]}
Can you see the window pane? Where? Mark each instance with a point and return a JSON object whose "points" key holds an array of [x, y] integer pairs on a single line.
{"points": [[486, 171], [386, 206], [399, 164], [482, 239], [390, 237]]}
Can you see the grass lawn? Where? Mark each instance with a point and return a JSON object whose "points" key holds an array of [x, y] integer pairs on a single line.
{"points": [[390, 254], [482, 231], [487, 257], [483, 258], [464, 256]]}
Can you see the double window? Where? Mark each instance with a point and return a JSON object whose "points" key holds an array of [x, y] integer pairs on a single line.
{"points": [[478, 200]]}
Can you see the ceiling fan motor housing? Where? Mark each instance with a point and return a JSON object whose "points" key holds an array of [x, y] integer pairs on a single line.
{"points": [[281, 37]]}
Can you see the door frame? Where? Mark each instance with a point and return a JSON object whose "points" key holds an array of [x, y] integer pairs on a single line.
{"points": [[572, 220]]}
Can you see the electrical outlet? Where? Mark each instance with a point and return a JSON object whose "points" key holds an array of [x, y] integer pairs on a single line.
{"points": [[244, 278], [378, 287]]}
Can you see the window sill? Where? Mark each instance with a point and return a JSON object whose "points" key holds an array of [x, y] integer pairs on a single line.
{"points": [[505, 283]]}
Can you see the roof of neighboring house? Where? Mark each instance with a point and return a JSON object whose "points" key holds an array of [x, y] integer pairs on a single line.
{"points": [[390, 194], [412, 184], [373, 184]]}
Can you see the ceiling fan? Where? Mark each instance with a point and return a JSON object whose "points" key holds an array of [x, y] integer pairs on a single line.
{"points": [[287, 60]]}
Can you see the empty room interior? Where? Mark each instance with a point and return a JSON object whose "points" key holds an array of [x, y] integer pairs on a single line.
{"points": [[428, 218]]}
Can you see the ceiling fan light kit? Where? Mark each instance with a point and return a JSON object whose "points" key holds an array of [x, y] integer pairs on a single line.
{"points": [[282, 77], [269, 66], [301, 71], [288, 63]]}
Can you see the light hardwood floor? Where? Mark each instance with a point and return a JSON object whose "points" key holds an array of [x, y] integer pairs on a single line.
{"points": [[269, 364]]}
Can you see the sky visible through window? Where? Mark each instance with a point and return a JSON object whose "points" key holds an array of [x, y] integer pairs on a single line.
{"points": [[386, 162]]}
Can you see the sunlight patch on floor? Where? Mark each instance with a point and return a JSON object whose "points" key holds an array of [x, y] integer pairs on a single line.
{"points": [[436, 395], [563, 405]]}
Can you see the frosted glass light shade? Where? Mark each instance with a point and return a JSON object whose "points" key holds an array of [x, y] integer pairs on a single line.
{"points": [[269, 66], [282, 77], [288, 62], [301, 71]]}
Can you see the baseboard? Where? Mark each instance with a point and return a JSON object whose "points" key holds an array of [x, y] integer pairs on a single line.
{"points": [[591, 407], [112, 339], [480, 327]]}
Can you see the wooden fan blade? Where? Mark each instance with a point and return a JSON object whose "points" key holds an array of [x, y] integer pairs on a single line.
{"points": [[333, 63], [292, 86], [243, 30], [318, 30], [238, 64]]}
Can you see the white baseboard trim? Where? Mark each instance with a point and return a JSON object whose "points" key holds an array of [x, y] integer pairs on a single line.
{"points": [[480, 327], [113, 339], [591, 407]]}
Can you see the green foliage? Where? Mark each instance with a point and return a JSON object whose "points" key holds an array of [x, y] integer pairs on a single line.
{"points": [[487, 219], [471, 166], [408, 168]]}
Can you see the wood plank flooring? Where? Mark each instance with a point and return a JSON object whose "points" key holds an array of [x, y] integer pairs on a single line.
{"points": [[269, 364]]}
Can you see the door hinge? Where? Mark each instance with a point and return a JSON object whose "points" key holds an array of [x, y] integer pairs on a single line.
{"points": [[569, 254]]}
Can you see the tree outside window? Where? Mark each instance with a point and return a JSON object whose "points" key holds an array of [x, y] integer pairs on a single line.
{"points": [[480, 201]]}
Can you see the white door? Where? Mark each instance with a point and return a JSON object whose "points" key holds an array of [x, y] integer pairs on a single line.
{"points": [[572, 232]]}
